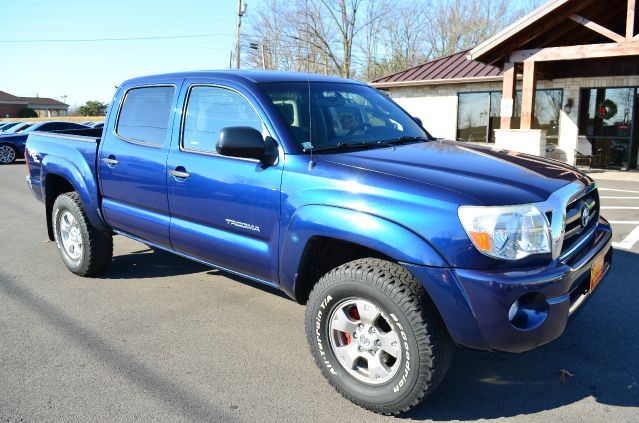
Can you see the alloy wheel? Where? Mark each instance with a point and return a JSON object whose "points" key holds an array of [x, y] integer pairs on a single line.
{"points": [[364, 341], [7, 154], [71, 235]]}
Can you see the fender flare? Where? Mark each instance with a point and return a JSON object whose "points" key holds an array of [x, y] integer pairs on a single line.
{"points": [[78, 173], [371, 231]]}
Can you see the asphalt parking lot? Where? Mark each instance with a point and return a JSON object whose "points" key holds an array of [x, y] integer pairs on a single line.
{"points": [[160, 338]]}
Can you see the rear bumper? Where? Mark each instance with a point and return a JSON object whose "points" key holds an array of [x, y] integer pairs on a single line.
{"points": [[557, 291]]}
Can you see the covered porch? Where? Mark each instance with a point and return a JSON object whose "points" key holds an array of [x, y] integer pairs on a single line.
{"points": [[571, 40]]}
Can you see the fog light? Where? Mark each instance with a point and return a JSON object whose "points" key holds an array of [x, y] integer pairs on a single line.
{"points": [[529, 311]]}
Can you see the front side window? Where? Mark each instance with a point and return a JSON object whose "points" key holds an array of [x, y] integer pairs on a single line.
{"points": [[211, 109], [326, 115], [144, 116]]}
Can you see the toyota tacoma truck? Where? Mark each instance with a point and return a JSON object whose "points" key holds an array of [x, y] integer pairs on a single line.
{"points": [[399, 244]]}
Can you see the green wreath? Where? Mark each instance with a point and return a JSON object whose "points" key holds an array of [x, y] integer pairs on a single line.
{"points": [[607, 109]]}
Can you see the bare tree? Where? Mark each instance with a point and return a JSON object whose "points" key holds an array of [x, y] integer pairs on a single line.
{"points": [[369, 38], [457, 25]]}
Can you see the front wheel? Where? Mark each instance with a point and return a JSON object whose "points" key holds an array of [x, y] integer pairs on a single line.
{"points": [[8, 154], [84, 249], [376, 336]]}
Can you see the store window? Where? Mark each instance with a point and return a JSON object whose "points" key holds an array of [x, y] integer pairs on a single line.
{"points": [[605, 119], [479, 115]]}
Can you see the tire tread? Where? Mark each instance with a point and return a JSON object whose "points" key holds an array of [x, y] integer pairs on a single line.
{"points": [[434, 344], [99, 250]]}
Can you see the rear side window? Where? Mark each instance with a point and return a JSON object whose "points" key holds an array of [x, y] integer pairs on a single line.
{"points": [[144, 116], [211, 109]]}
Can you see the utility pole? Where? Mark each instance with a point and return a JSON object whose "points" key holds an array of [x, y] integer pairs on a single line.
{"points": [[64, 100], [241, 10], [259, 46]]}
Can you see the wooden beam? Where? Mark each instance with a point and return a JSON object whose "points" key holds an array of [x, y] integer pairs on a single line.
{"points": [[630, 20], [508, 93], [588, 51], [598, 28], [528, 89]]}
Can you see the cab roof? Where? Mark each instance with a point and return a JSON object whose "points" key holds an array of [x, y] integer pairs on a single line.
{"points": [[252, 76]]}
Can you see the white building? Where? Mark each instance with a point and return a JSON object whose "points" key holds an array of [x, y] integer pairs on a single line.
{"points": [[585, 103]]}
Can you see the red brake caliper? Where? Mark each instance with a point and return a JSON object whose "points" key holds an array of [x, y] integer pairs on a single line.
{"points": [[354, 314]]}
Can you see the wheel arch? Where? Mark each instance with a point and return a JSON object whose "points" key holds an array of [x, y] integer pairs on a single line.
{"points": [[321, 237], [63, 176]]}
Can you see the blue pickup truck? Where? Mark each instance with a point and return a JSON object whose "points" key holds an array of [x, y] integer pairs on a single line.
{"points": [[399, 244]]}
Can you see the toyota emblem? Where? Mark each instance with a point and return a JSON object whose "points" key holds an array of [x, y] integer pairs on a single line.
{"points": [[585, 216]]}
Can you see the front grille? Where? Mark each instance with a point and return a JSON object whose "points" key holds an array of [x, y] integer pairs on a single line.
{"points": [[575, 230]]}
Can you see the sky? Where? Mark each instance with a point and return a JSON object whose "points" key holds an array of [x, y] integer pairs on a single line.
{"points": [[40, 51], [34, 60]]}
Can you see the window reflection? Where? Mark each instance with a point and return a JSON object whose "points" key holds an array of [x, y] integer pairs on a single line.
{"points": [[605, 118], [473, 116], [479, 115]]}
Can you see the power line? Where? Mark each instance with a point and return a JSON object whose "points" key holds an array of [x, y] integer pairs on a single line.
{"points": [[86, 40]]}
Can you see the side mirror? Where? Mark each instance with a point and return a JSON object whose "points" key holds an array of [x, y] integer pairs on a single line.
{"points": [[241, 141], [419, 121]]}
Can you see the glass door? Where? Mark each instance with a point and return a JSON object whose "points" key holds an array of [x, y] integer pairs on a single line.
{"points": [[606, 119], [634, 144]]}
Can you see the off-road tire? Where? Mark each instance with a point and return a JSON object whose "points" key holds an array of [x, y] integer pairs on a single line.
{"points": [[427, 346], [97, 248]]}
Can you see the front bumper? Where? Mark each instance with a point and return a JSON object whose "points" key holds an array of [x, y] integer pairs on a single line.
{"points": [[484, 323]]}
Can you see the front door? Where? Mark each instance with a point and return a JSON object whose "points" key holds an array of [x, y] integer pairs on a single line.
{"points": [[132, 164], [224, 210]]}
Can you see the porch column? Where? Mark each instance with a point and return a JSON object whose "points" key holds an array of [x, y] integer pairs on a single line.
{"points": [[508, 95], [528, 95]]}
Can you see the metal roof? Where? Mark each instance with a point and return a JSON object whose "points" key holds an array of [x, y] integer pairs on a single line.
{"points": [[455, 68]]}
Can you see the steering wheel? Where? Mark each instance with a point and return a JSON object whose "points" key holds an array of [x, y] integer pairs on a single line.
{"points": [[357, 128]]}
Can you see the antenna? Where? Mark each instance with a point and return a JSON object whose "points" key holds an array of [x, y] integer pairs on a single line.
{"points": [[311, 163]]}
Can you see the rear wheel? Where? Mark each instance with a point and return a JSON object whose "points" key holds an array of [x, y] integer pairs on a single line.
{"points": [[376, 335], [84, 249], [8, 154]]}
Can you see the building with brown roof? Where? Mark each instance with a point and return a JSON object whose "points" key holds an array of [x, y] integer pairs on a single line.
{"points": [[10, 105], [562, 82]]}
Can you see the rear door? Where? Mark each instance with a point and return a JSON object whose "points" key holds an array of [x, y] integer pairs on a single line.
{"points": [[132, 163], [226, 211]]}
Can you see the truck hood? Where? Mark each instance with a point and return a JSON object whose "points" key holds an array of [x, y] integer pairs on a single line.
{"points": [[482, 175]]}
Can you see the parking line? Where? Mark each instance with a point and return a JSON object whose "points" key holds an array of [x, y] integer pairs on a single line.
{"points": [[629, 241], [620, 198], [618, 208], [624, 222], [618, 190]]}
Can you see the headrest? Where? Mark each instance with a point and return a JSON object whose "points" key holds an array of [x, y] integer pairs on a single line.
{"points": [[286, 110]]}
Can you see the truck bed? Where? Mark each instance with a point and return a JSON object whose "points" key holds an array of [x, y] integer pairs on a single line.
{"points": [[72, 151]]}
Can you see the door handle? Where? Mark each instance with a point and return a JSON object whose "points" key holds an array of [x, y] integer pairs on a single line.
{"points": [[110, 161], [179, 174]]}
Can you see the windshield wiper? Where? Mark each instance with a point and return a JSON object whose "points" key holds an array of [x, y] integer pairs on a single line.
{"points": [[404, 139], [349, 146]]}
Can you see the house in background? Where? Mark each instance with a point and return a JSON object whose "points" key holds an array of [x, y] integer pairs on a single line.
{"points": [[10, 105], [562, 82]]}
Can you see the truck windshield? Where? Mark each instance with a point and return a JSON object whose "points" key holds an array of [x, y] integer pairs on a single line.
{"points": [[323, 115]]}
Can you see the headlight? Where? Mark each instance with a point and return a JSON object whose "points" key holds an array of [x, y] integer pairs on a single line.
{"points": [[510, 232]]}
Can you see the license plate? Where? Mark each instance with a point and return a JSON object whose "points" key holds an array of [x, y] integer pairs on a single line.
{"points": [[597, 271]]}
